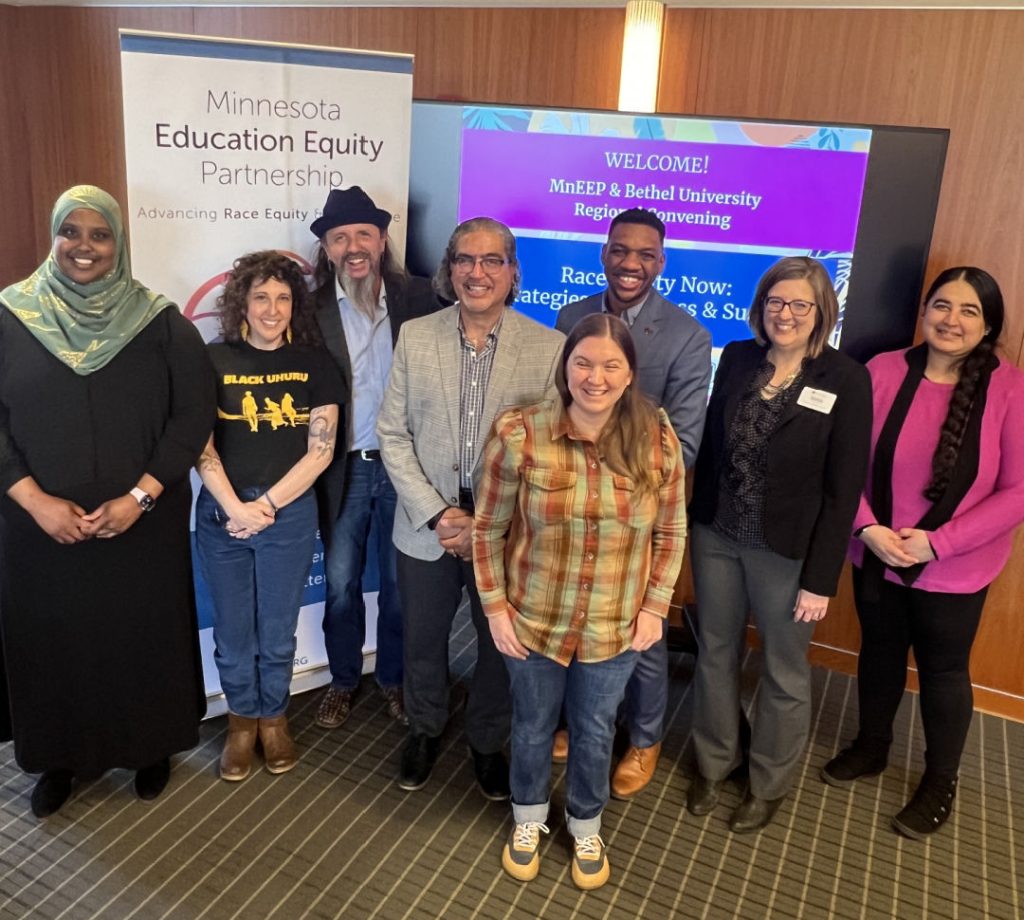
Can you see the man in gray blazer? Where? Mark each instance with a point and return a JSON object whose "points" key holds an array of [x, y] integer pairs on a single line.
{"points": [[453, 371], [674, 369]]}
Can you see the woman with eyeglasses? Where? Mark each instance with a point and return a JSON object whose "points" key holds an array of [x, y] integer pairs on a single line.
{"points": [[776, 486], [935, 527]]}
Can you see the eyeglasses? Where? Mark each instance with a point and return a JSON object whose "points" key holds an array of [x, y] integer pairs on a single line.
{"points": [[464, 264], [796, 307]]}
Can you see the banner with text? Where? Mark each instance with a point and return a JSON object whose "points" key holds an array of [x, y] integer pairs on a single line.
{"points": [[232, 147], [734, 197]]}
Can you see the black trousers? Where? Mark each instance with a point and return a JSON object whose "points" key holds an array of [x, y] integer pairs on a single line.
{"points": [[940, 628], [431, 592]]}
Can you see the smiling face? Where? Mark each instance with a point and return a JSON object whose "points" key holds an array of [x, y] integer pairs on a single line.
{"points": [[596, 374], [268, 313], [481, 293], [355, 250], [84, 247], [632, 258], [785, 330], [953, 322]]}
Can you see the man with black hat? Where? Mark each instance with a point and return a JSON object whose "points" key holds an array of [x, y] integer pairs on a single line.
{"points": [[364, 295]]}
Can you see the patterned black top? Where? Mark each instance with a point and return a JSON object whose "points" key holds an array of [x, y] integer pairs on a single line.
{"points": [[740, 512]]}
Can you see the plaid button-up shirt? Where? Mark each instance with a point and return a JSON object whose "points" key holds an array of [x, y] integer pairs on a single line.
{"points": [[565, 545]]}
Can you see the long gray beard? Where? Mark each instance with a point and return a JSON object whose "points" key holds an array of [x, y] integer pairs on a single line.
{"points": [[360, 291]]}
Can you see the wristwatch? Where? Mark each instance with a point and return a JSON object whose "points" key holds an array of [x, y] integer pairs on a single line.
{"points": [[145, 500]]}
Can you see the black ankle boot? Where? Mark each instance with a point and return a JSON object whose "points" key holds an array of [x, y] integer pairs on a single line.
{"points": [[151, 781], [929, 809], [853, 764], [51, 791]]}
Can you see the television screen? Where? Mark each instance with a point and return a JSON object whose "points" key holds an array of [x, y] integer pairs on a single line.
{"points": [[735, 195]]}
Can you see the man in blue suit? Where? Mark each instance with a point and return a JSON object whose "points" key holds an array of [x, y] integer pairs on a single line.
{"points": [[674, 369]]}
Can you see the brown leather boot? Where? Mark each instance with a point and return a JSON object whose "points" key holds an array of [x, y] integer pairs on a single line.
{"points": [[635, 771], [278, 747], [236, 758]]}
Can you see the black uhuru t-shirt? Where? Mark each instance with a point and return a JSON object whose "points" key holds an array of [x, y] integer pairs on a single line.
{"points": [[263, 403]]}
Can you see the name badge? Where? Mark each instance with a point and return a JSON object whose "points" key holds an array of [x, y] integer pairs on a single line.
{"points": [[818, 400]]}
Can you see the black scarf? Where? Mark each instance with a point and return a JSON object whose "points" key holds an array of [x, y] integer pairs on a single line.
{"points": [[965, 469]]}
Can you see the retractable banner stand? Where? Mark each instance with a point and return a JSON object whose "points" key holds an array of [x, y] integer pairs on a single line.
{"points": [[232, 147]]}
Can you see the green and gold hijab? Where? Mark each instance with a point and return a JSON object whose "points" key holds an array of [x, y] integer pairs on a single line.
{"points": [[84, 325]]}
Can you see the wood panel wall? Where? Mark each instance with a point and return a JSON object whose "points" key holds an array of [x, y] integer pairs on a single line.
{"points": [[60, 110], [945, 69]]}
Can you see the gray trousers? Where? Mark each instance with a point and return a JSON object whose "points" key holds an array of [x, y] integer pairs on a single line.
{"points": [[730, 581]]}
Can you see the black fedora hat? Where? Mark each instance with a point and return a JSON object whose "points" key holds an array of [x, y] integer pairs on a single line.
{"points": [[349, 206]]}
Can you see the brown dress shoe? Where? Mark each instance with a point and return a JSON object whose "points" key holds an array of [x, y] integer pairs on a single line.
{"points": [[635, 770], [278, 747], [335, 706], [236, 758], [560, 747]]}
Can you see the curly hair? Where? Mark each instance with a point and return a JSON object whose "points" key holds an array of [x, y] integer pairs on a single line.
{"points": [[625, 439], [975, 370], [255, 268]]}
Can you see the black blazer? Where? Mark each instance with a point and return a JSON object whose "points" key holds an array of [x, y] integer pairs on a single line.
{"points": [[817, 461], [408, 297]]}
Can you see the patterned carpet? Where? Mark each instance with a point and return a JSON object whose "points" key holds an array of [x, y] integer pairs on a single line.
{"points": [[337, 838]]}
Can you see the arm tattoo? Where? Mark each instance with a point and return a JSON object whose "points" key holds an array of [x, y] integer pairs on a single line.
{"points": [[321, 433], [209, 459]]}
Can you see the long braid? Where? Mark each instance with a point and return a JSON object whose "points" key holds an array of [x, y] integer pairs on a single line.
{"points": [[976, 368]]}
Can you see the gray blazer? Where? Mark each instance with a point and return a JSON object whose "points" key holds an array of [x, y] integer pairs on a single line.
{"points": [[673, 352], [418, 424]]}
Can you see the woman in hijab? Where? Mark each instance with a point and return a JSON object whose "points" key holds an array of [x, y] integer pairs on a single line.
{"points": [[106, 401]]}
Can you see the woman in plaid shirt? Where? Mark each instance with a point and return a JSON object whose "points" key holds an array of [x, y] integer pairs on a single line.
{"points": [[578, 540]]}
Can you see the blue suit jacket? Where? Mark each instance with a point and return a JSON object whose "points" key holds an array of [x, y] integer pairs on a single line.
{"points": [[673, 361]]}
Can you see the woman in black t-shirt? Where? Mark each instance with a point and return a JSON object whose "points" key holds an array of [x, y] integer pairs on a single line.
{"points": [[278, 395]]}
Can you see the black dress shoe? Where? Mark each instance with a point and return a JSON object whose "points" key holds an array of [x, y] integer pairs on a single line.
{"points": [[702, 796], [152, 780], [492, 775], [753, 814], [51, 792], [418, 756]]}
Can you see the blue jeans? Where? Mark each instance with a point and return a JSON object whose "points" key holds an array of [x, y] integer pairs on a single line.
{"points": [[256, 588], [369, 499], [591, 694]]}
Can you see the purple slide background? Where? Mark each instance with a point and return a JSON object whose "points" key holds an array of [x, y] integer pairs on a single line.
{"points": [[810, 198]]}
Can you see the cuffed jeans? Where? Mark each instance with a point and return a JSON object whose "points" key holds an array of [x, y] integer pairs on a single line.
{"points": [[730, 581], [369, 499], [591, 694], [256, 588], [431, 591]]}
